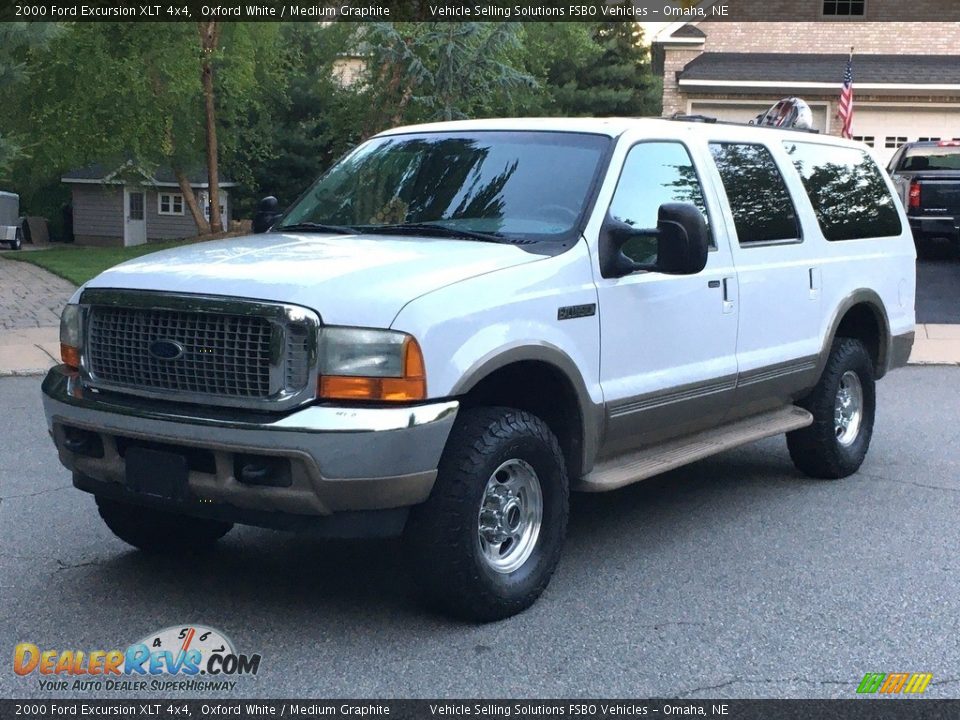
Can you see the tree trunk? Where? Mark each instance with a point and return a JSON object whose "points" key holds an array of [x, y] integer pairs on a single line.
{"points": [[209, 41], [191, 200]]}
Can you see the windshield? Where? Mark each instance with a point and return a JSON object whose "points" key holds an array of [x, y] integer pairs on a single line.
{"points": [[931, 158], [512, 186]]}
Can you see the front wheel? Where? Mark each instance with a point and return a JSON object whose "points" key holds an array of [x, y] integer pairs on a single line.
{"points": [[486, 542], [843, 405], [156, 531]]}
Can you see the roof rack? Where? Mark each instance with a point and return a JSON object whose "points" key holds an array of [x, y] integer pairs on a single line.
{"points": [[694, 118], [710, 120]]}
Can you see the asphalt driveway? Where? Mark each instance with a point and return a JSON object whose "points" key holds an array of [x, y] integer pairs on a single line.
{"points": [[734, 577], [938, 283]]}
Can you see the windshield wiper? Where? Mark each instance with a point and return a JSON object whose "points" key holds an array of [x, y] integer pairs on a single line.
{"points": [[431, 229], [317, 227]]}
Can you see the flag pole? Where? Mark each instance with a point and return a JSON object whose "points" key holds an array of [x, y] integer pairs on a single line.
{"points": [[845, 105]]}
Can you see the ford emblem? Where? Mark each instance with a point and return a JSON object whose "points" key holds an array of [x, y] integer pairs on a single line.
{"points": [[165, 349]]}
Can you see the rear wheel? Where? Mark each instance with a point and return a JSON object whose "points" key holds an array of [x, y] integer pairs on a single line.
{"points": [[17, 240], [486, 542], [156, 531], [843, 405]]}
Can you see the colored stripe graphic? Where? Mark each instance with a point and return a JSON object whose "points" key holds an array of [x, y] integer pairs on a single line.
{"points": [[871, 682], [893, 683]]}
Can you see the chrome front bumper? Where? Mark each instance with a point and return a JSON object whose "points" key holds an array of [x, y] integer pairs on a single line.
{"points": [[341, 458]]}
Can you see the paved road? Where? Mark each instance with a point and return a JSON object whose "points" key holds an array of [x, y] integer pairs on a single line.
{"points": [[938, 283], [735, 577]]}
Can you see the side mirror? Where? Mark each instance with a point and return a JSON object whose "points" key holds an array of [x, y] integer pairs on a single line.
{"points": [[268, 213], [682, 243]]}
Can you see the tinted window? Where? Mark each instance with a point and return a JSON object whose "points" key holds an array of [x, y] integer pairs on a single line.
{"points": [[761, 206], [922, 157], [524, 185], [847, 191], [654, 173]]}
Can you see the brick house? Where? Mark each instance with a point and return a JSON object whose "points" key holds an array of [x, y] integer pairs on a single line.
{"points": [[906, 74]]}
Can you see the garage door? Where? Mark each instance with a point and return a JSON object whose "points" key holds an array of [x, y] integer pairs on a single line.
{"points": [[747, 111], [887, 128]]}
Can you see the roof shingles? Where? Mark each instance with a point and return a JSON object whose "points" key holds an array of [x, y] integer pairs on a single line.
{"points": [[799, 67]]}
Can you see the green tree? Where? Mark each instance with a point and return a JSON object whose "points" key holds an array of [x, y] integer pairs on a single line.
{"points": [[313, 119], [439, 71], [591, 69], [16, 40], [111, 92]]}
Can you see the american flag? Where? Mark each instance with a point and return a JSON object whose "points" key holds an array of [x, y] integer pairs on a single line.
{"points": [[845, 110]]}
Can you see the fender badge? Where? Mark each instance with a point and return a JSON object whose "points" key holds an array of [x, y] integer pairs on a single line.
{"points": [[571, 312]]}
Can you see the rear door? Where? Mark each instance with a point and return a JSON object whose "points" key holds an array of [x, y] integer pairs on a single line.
{"points": [[778, 273]]}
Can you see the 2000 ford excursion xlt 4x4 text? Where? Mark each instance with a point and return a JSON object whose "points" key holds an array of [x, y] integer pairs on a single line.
{"points": [[460, 323]]}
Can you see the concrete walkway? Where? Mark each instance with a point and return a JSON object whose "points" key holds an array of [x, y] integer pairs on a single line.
{"points": [[936, 345], [31, 300]]}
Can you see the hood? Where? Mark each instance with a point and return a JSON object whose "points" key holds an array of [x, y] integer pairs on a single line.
{"points": [[361, 280]]}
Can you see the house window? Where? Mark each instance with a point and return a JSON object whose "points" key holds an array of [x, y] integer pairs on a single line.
{"points": [[844, 8], [928, 139], [170, 204], [894, 141], [866, 139]]}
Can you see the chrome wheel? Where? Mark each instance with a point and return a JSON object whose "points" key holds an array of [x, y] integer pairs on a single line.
{"points": [[848, 408], [511, 512]]}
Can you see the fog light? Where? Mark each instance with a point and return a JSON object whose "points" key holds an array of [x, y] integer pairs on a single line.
{"points": [[262, 470]]}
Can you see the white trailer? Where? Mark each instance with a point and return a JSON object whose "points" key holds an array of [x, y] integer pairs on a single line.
{"points": [[10, 220]]}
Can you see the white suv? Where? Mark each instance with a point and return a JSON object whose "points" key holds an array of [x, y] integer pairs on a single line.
{"points": [[460, 323]]}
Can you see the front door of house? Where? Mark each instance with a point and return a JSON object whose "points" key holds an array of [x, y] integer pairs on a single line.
{"points": [[135, 218]]}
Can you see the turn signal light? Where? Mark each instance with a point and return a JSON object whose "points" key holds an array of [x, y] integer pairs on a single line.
{"points": [[914, 198], [70, 355], [409, 388]]}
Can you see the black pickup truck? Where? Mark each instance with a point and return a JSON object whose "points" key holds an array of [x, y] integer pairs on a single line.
{"points": [[927, 176]]}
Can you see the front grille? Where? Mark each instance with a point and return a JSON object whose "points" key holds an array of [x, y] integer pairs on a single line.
{"points": [[223, 355]]}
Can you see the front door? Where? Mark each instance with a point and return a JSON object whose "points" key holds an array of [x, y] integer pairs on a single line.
{"points": [[135, 218], [668, 342]]}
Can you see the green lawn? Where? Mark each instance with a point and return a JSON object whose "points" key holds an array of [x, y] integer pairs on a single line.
{"points": [[79, 264]]}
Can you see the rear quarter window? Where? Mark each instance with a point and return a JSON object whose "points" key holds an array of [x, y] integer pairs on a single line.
{"points": [[847, 191]]}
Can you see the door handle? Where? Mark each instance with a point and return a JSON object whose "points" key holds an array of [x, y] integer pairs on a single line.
{"points": [[814, 276], [727, 296]]}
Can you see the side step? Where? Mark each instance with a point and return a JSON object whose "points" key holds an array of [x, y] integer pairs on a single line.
{"points": [[626, 469]]}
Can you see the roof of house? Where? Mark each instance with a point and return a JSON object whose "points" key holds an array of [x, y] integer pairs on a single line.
{"points": [[939, 70], [162, 176], [688, 31]]}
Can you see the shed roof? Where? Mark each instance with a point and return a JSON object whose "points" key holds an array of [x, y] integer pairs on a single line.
{"points": [[161, 176]]}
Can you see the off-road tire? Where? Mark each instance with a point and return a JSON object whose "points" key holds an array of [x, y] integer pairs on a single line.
{"points": [[816, 450], [158, 532], [441, 535]]}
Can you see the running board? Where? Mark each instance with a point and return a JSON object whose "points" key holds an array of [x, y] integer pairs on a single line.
{"points": [[641, 464]]}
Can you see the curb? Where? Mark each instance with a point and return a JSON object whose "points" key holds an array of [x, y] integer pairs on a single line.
{"points": [[28, 372]]}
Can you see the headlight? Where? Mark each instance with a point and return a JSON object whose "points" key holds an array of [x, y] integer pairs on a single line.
{"points": [[361, 364], [70, 331]]}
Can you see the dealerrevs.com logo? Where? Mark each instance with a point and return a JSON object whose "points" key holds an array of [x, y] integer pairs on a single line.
{"points": [[178, 658]]}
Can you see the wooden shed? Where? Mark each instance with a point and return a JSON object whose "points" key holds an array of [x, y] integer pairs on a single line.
{"points": [[128, 206]]}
